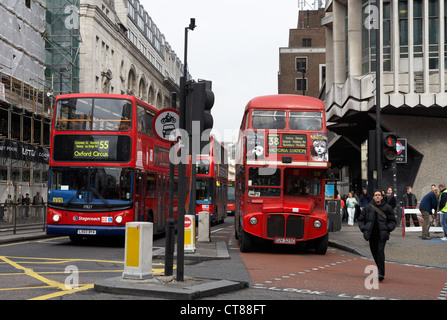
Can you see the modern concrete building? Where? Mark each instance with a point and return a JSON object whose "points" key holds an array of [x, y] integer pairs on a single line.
{"points": [[413, 86]]}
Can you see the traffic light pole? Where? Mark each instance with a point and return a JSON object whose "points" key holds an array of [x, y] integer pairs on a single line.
{"points": [[378, 106], [170, 223], [182, 166]]}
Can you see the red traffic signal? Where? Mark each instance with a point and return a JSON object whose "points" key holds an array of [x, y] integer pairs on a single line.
{"points": [[389, 151]]}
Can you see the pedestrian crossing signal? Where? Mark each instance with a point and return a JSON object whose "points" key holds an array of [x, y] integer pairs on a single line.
{"points": [[389, 151]]}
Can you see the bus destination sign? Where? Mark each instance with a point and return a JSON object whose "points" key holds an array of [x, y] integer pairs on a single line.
{"points": [[91, 148], [87, 149], [287, 143]]}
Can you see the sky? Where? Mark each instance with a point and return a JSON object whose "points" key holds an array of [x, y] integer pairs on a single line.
{"points": [[235, 45]]}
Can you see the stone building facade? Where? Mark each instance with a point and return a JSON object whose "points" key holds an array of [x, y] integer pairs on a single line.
{"points": [[68, 46]]}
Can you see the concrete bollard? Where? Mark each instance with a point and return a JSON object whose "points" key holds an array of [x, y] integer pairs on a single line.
{"points": [[190, 234], [138, 251], [204, 227]]}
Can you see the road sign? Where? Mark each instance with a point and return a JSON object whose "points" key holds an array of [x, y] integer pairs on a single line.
{"points": [[165, 122], [401, 148]]}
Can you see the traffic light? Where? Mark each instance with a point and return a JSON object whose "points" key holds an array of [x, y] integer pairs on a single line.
{"points": [[199, 120], [389, 152]]}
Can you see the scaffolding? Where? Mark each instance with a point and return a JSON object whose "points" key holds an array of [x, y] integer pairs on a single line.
{"points": [[62, 44]]}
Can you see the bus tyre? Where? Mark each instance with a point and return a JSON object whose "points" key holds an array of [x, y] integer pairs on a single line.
{"points": [[321, 244], [245, 241]]}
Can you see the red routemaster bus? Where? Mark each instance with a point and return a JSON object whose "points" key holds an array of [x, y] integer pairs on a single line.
{"points": [[212, 181], [106, 166], [281, 163]]}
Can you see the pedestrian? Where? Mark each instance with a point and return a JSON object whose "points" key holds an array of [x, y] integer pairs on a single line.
{"points": [[376, 221], [443, 208], [37, 199], [26, 202], [350, 206], [364, 199], [345, 211], [342, 204], [38, 203], [390, 199], [410, 201], [428, 203]]}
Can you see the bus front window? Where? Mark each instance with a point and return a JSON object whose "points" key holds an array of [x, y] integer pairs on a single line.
{"points": [[264, 182], [101, 185], [204, 191], [303, 186]]}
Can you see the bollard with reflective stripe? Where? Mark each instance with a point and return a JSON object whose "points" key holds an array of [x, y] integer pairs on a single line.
{"points": [[190, 233], [138, 251]]}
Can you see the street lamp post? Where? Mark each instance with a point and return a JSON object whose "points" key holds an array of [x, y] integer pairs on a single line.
{"points": [[303, 71]]}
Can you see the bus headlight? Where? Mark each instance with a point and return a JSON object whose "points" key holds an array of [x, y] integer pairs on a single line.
{"points": [[119, 219], [56, 217], [317, 224], [253, 221]]}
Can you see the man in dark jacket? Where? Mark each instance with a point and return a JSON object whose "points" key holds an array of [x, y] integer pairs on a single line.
{"points": [[409, 201], [428, 203], [376, 221]]}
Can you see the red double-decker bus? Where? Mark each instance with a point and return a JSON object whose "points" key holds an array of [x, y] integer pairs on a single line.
{"points": [[281, 163], [212, 181], [106, 166]]}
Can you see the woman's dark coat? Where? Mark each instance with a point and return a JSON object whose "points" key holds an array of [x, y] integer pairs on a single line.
{"points": [[368, 216]]}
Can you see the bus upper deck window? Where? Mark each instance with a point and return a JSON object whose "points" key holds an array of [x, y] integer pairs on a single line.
{"points": [[305, 120], [268, 119]]}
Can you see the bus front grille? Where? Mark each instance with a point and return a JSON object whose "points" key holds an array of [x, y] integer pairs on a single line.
{"points": [[277, 227]]}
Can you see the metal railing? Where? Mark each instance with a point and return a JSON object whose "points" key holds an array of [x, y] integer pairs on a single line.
{"points": [[22, 217]]}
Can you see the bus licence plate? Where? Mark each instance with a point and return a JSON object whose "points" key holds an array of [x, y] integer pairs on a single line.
{"points": [[285, 240], [87, 231]]}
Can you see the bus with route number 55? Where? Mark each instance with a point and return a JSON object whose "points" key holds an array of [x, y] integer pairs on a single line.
{"points": [[106, 166]]}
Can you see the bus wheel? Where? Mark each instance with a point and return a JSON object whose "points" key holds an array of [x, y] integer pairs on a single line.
{"points": [[75, 238], [245, 241], [321, 244], [150, 216]]}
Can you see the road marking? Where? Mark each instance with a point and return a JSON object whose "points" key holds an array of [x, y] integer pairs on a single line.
{"points": [[33, 274], [65, 292], [157, 268]]}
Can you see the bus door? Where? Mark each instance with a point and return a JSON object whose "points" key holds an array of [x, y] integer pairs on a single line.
{"points": [[139, 195], [161, 202]]}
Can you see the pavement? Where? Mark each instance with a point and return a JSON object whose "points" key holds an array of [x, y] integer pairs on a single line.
{"points": [[407, 248]]}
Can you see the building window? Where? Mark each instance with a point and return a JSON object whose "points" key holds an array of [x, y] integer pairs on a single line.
{"points": [[301, 84], [369, 39], [301, 63], [307, 42]]}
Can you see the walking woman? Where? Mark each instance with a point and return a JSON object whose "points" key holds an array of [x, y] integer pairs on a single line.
{"points": [[350, 205], [376, 221]]}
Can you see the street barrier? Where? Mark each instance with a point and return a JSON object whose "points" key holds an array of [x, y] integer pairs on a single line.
{"points": [[138, 250], [415, 211], [204, 227], [22, 217]]}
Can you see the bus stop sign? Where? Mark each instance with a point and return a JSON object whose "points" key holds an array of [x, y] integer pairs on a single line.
{"points": [[165, 122]]}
